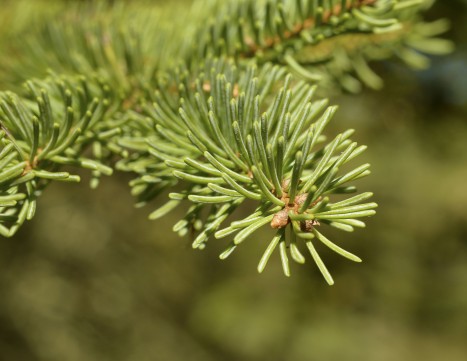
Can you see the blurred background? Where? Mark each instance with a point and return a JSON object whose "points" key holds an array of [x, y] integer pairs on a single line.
{"points": [[90, 278]]}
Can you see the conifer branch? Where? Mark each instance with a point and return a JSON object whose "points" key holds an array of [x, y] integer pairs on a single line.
{"points": [[230, 118], [330, 42], [52, 125], [252, 136]]}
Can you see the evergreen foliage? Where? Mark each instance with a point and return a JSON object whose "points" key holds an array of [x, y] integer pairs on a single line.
{"points": [[224, 101]]}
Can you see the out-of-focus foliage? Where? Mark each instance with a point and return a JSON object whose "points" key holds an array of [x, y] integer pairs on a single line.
{"points": [[108, 285], [118, 41]]}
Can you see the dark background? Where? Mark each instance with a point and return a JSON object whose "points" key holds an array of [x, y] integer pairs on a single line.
{"points": [[90, 278]]}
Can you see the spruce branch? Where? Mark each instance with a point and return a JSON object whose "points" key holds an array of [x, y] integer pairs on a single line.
{"points": [[120, 43], [330, 42], [50, 126], [231, 118], [253, 135]]}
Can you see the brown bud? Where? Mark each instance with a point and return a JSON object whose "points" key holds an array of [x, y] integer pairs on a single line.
{"points": [[280, 219], [300, 199], [235, 91], [206, 87], [308, 225]]}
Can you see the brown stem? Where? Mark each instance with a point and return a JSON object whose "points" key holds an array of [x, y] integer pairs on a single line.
{"points": [[306, 24]]}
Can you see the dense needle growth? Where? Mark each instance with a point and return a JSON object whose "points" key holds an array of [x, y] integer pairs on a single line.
{"points": [[224, 99]]}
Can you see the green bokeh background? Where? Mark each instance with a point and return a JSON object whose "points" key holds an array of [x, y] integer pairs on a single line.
{"points": [[90, 278]]}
